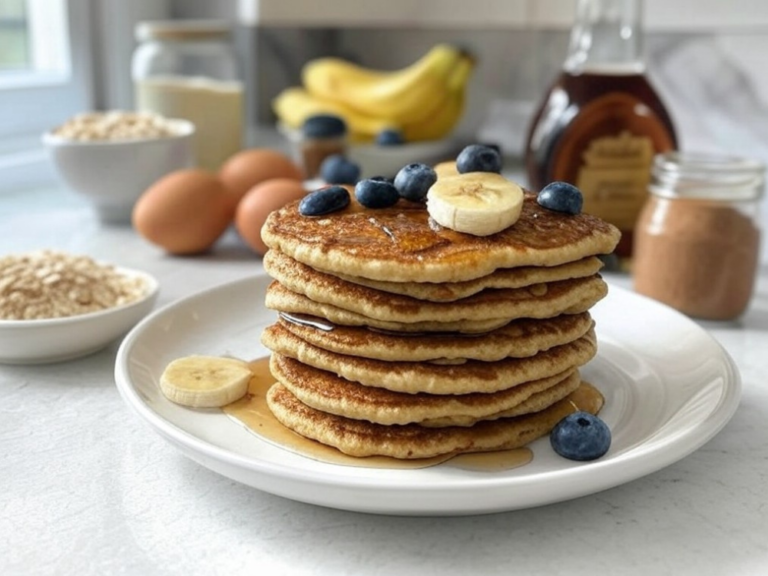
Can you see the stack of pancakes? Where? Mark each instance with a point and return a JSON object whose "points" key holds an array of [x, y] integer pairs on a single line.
{"points": [[398, 337]]}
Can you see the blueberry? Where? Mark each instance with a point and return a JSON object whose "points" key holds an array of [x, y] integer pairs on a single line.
{"points": [[376, 193], [414, 180], [324, 201], [324, 126], [478, 158], [561, 197], [390, 137], [336, 169], [581, 436]]}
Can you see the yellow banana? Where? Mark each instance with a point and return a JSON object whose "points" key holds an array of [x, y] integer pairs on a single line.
{"points": [[294, 105], [336, 67], [448, 115], [408, 95]]}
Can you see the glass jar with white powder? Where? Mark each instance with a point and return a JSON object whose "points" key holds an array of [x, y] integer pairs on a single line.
{"points": [[188, 69]]}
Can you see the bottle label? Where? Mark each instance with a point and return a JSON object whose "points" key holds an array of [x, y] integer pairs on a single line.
{"points": [[614, 177], [607, 152]]}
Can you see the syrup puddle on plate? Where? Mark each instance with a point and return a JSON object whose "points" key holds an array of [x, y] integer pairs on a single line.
{"points": [[252, 412]]}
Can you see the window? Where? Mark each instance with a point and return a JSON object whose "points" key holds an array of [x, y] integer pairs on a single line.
{"points": [[45, 77], [34, 44], [14, 36], [45, 70]]}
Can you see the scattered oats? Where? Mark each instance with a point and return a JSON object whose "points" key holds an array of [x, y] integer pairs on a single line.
{"points": [[52, 284]]}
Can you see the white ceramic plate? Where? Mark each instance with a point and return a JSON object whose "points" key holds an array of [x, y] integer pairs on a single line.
{"points": [[669, 389], [58, 339]]}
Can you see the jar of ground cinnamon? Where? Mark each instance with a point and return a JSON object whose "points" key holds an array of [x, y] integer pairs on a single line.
{"points": [[697, 238], [322, 136]]}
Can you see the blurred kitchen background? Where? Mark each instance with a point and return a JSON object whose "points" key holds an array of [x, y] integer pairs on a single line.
{"points": [[706, 58]]}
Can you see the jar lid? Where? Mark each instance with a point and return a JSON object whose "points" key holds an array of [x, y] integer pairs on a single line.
{"points": [[181, 29], [707, 176], [324, 126]]}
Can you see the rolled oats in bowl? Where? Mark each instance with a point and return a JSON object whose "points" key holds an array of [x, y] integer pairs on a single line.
{"points": [[115, 125], [52, 284]]}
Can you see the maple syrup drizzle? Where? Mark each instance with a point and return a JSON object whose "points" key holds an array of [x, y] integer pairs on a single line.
{"points": [[252, 412], [307, 320], [322, 324]]}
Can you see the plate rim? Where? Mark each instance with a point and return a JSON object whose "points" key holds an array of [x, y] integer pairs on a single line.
{"points": [[625, 467]]}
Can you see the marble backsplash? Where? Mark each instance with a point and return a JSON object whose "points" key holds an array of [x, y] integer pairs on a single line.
{"points": [[713, 83], [708, 68]]}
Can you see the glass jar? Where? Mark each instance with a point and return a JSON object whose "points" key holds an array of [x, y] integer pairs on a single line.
{"points": [[698, 235], [322, 135], [188, 69]]}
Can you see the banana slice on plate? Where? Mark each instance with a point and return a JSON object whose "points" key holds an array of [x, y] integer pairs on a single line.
{"points": [[205, 381], [477, 203]]}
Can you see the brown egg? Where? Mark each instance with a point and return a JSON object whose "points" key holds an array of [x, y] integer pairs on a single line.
{"points": [[257, 204], [248, 168], [184, 212]]}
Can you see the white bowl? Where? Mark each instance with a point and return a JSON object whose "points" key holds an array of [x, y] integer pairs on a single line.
{"points": [[112, 175], [377, 160], [58, 339]]}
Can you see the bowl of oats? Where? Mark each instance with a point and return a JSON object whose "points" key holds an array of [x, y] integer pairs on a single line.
{"points": [[56, 306], [111, 158]]}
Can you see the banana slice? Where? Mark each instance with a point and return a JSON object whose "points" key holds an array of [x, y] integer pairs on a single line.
{"points": [[205, 381], [477, 203], [447, 168]]}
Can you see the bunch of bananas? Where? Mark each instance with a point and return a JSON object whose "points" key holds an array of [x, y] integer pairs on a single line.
{"points": [[423, 101]]}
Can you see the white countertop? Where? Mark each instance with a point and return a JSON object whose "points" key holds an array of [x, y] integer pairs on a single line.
{"points": [[87, 488]]}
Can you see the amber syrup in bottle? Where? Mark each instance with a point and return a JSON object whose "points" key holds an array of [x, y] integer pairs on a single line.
{"points": [[601, 122]]}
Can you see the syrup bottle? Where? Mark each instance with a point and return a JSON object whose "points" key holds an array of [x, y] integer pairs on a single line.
{"points": [[601, 123]]}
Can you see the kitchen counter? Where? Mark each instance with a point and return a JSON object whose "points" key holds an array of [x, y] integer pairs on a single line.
{"points": [[86, 487]]}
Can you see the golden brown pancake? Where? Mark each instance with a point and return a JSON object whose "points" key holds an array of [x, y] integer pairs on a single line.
{"points": [[282, 299], [330, 393], [402, 243], [362, 438], [502, 278], [276, 261], [479, 313], [411, 377], [537, 301], [518, 339]]}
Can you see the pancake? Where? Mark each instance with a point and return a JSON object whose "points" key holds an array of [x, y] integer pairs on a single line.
{"points": [[329, 393], [283, 300], [503, 278], [519, 338], [537, 301], [352, 305], [402, 243], [361, 438], [411, 377]]}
